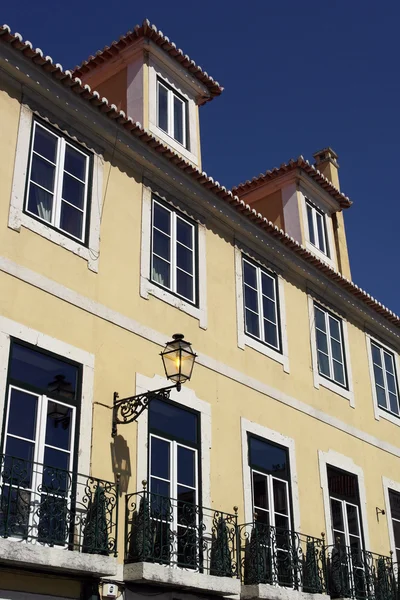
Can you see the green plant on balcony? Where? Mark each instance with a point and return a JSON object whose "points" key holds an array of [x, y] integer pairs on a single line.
{"points": [[95, 537], [311, 574], [258, 558], [141, 539], [220, 560]]}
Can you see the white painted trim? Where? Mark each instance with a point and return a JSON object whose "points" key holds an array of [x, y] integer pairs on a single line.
{"points": [[148, 288], [389, 484], [331, 261], [340, 461], [186, 397], [246, 340], [379, 412], [323, 381], [21, 332], [18, 218], [277, 438], [109, 315]]}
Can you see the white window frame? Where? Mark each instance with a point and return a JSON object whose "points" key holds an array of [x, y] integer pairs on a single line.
{"points": [[390, 484], [171, 95], [320, 380], [19, 219], [325, 210], [243, 338], [59, 165], [317, 244], [378, 411], [149, 288], [175, 216]]}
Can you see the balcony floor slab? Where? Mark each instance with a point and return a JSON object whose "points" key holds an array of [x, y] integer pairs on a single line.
{"points": [[265, 591], [21, 554], [156, 574]]}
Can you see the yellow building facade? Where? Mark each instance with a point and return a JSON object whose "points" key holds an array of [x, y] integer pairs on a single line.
{"points": [[274, 472]]}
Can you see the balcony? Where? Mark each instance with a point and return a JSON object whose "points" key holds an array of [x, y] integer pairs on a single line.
{"points": [[181, 545], [277, 563], [52, 519]]}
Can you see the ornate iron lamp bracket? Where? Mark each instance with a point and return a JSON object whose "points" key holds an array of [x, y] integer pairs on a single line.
{"points": [[129, 409]]}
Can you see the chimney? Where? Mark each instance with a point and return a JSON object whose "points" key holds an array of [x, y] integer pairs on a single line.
{"points": [[326, 163]]}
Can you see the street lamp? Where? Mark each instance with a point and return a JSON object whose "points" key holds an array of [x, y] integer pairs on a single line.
{"points": [[178, 360]]}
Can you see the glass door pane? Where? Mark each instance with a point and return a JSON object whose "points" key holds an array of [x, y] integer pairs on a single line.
{"points": [[187, 510], [283, 536], [160, 497]]}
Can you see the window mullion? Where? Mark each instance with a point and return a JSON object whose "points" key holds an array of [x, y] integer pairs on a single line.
{"points": [[171, 113], [316, 233], [260, 304], [346, 525], [328, 331], [59, 182], [173, 252], [271, 503], [385, 383]]}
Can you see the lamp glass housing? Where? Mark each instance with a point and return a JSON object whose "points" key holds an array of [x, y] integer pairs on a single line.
{"points": [[178, 359]]}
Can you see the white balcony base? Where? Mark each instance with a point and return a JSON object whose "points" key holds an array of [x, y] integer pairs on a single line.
{"points": [[21, 554], [165, 575], [265, 591]]}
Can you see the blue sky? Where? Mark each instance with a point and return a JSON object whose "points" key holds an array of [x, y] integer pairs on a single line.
{"points": [[298, 76]]}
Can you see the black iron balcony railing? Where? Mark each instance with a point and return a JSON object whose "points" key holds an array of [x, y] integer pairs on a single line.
{"points": [[355, 573], [53, 507], [177, 533], [281, 557]]}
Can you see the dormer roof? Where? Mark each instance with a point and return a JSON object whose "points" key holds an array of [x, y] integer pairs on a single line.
{"points": [[149, 31]]}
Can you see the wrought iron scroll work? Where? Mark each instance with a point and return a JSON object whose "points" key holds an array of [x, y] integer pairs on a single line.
{"points": [[129, 409]]}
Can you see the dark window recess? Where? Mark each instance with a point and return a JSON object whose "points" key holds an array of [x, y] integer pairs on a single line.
{"points": [[268, 458], [173, 421]]}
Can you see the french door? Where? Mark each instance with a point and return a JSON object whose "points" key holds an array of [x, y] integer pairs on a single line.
{"points": [[35, 479]]}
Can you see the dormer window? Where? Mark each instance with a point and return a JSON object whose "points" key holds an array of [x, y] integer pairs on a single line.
{"points": [[317, 233], [172, 112]]}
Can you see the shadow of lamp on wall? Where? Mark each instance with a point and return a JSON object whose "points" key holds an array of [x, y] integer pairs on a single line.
{"points": [[121, 462]]}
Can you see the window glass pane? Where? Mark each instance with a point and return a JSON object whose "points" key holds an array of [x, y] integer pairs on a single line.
{"points": [[388, 362], [59, 425], [160, 458], [252, 323], [40, 203], [161, 245], [379, 376], [342, 484], [394, 498], [280, 497], [20, 449], [376, 354], [52, 376], [380, 396], [323, 364], [188, 496], [45, 143], [391, 383], [394, 407], [338, 372], [186, 466], [73, 191], [249, 274], [162, 218], [250, 298], [172, 420], [162, 107], [22, 414], [71, 220], [336, 350], [268, 458], [337, 515], [260, 491], [158, 486], [320, 319], [352, 519], [281, 522], [334, 328], [310, 224], [42, 172], [57, 459], [396, 532], [178, 119], [184, 232], [75, 162], [184, 258], [270, 333], [161, 272], [321, 233], [268, 286], [18, 465], [269, 309], [184, 285], [322, 341]]}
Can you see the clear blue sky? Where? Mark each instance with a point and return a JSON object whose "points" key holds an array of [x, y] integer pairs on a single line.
{"points": [[298, 76]]}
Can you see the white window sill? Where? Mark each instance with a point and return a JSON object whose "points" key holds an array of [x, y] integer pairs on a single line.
{"points": [[383, 414], [167, 139], [267, 351], [314, 250], [336, 388], [147, 288]]}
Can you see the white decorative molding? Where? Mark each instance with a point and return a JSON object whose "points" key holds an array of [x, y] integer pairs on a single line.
{"points": [[246, 340], [148, 288], [269, 435], [21, 332], [340, 461], [389, 484], [109, 315], [186, 397], [266, 591], [323, 381], [18, 218]]}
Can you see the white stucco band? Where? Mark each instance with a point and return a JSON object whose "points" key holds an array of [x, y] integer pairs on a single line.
{"points": [[265, 591], [181, 578], [18, 218], [8, 329]]}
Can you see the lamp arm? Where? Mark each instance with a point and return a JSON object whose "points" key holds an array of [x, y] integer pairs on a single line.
{"points": [[127, 410]]}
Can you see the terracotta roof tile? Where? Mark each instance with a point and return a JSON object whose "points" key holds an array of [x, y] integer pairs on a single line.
{"points": [[150, 31], [93, 97], [299, 163]]}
